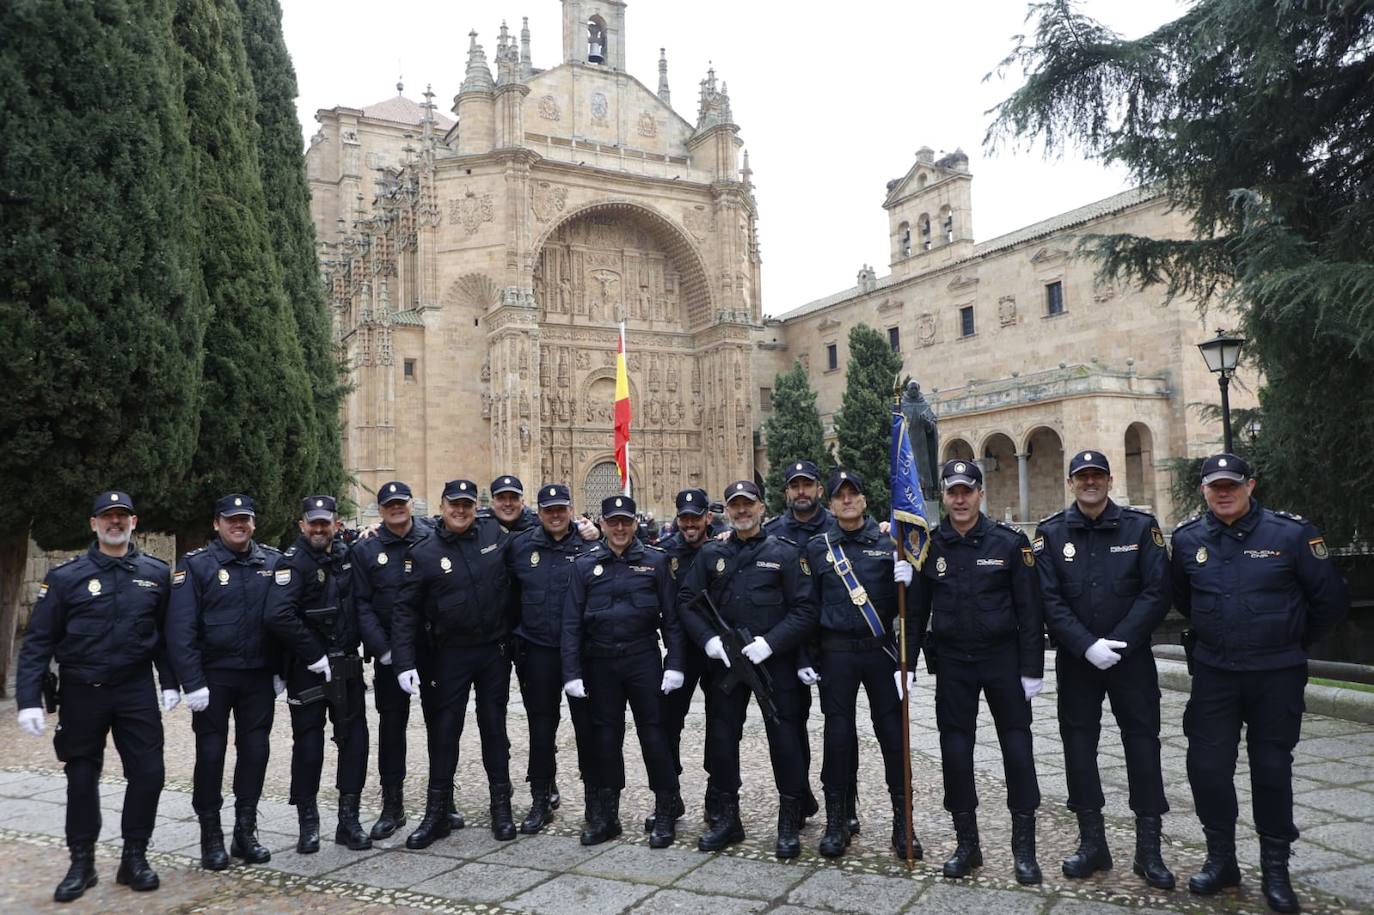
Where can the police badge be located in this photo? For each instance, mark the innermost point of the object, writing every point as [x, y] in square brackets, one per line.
[382, 559]
[534, 559]
[598, 570]
[1158, 536]
[223, 576]
[319, 573]
[445, 564]
[1201, 555]
[93, 586]
[1318, 547]
[720, 566]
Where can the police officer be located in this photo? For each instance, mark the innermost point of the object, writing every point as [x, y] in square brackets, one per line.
[760, 583]
[227, 662]
[719, 523]
[102, 615]
[855, 580]
[979, 590]
[1104, 581]
[508, 505]
[539, 563]
[1260, 589]
[377, 567]
[804, 518]
[694, 522]
[311, 612]
[619, 600]
[455, 600]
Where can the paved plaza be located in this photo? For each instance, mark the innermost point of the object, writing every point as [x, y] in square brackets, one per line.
[1333, 865]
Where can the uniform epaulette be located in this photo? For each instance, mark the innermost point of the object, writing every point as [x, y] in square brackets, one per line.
[1289, 515]
[788, 540]
[196, 552]
[66, 562]
[158, 559]
[1137, 511]
[270, 549]
[1009, 526]
[1187, 521]
[290, 551]
[1051, 516]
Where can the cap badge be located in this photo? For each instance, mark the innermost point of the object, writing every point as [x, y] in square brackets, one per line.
[1201, 556]
[688, 497]
[445, 564]
[534, 558]
[391, 488]
[319, 503]
[941, 565]
[223, 576]
[1087, 455]
[238, 503]
[843, 475]
[505, 479]
[799, 467]
[739, 487]
[1070, 551]
[552, 492]
[114, 497]
[382, 559]
[959, 467]
[1221, 463]
[463, 486]
[93, 586]
[598, 569]
[619, 503]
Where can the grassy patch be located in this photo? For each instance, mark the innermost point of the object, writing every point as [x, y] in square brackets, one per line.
[1342, 684]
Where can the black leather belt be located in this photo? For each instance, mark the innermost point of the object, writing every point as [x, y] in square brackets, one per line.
[618, 649]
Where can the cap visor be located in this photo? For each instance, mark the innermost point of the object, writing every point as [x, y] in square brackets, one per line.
[618, 513]
[397, 497]
[1081, 467]
[743, 495]
[319, 514]
[553, 503]
[957, 480]
[1223, 475]
[460, 497]
[238, 513]
[501, 489]
[693, 510]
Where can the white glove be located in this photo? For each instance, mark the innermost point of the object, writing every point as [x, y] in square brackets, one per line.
[1031, 686]
[199, 700]
[321, 667]
[723, 536]
[170, 699]
[1101, 654]
[278, 685]
[577, 689]
[587, 530]
[409, 681]
[714, 649]
[385, 659]
[808, 676]
[672, 679]
[758, 650]
[910, 682]
[902, 572]
[31, 721]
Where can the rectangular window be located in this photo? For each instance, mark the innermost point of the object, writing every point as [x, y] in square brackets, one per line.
[832, 357]
[894, 339]
[408, 369]
[966, 321]
[1054, 298]
[765, 400]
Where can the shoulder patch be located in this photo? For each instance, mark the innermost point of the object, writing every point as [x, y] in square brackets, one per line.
[1157, 536]
[42, 591]
[1318, 547]
[1028, 556]
[1038, 545]
[283, 576]
[178, 577]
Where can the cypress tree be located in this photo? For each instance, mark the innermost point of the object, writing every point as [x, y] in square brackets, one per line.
[317, 453]
[256, 399]
[100, 353]
[793, 432]
[864, 421]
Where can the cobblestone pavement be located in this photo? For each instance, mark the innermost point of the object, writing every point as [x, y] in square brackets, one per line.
[471, 872]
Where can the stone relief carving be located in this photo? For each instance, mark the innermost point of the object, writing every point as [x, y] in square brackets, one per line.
[925, 329]
[548, 108]
[547, 200]
[699, 221]
[471, 211]
[600, 107]
[1006, 310]
[647, 127]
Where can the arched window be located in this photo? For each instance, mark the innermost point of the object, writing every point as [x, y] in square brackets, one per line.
[596, 40]
[923, 226]
[904, 233]
[602, 480]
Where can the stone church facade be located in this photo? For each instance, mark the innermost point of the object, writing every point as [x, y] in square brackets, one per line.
[478, 269]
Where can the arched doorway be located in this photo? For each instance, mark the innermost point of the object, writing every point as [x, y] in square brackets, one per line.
[1046, 471]
[602, 480]
[1140, 466]
[999, 477]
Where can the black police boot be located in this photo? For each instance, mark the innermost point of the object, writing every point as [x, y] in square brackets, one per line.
[604, 822]
[899, 825]
[836, 837]
[968, 854]
[212, 856]
[710, 805]
[851, 809]
[134, 870]
[1220, 870]
[555, 796]
[393, 813]
[1148, 862]
[1023, 847]
[1278, 891]
[80, 876]
[455, 816]
[789, 826]
[725, 829]
[667, 808]
[676, 808]
[809, 805]
[308, 816]
[349, 831]
[435, 823]
[245, 843]
[1093, 854]
[502, 820]
[541, 808]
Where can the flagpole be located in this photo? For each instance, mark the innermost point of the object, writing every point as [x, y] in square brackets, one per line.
[906, 714]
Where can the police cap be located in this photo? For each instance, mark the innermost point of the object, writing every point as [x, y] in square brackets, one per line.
[960, 473]
[393, 491]
[551, 494]
[1089, 460]
[111, 500]
[800, 469]
[1224, 467]
[617, 507]
[693, 501]
[746, 488]
[460, 489]
[507, 483]
[236, 503]
[842, 477]
[318, 508]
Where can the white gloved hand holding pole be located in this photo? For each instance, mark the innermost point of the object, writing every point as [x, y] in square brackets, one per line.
[902, 572]
[910, 682]
[1102, 653]
[809, 676]
[31, 721]
[278, 685]
[714, 649]
[758, 650]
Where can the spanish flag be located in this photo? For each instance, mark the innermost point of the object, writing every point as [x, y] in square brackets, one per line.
[622, 415]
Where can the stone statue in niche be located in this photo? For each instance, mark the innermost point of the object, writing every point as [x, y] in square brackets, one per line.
[925, 437]
[524, 437]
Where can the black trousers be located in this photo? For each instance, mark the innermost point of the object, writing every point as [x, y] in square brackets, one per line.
[842, 673]
[130, 711]
[307, 738]
[539, 669]
[957, 685]
[393, 716]
[725, 714]
[1270, 705]
[611, 683]
[1132, 686]
[249, 695]
[678, 703]
[455, 672]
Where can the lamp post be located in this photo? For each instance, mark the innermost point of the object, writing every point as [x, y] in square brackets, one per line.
[1222, 354]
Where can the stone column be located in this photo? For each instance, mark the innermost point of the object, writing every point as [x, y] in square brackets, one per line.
[982, 466]
[1023, 485]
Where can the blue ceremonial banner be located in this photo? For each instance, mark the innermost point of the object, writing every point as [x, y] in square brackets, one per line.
[908, 504]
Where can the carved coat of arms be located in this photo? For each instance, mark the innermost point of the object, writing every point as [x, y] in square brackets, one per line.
[547, 200]
[472, 211]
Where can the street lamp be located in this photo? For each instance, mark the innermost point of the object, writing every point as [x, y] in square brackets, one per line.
[1222, 353]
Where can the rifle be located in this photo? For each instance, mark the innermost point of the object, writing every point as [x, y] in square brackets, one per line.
[343, 666]
[741, 669]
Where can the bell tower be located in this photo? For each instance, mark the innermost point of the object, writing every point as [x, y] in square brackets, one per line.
[594, 33]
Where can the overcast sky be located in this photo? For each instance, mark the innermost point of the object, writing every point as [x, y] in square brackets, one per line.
[832, 100]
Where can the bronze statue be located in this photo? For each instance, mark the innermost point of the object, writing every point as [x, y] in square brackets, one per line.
[925, 438]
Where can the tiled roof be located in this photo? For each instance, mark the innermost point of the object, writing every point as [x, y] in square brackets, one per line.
[402, 110]
[818, 304]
